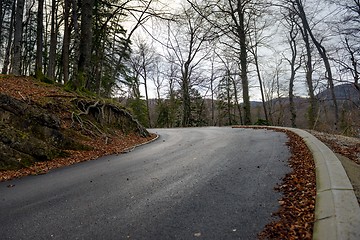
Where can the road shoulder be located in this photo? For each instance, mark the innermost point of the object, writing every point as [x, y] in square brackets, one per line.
[353, 171]
[337, 212]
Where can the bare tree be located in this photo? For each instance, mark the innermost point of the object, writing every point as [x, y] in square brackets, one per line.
[167, 109]
[322, 52]
[291, 9]
[256, 39]
[158, 76]
[230, 66]
[354, 61]
[143, 63]
[291, 21]
[349, 29]
[274, 92]
[141, 15]
[233, 20]
[239, 20]
[186, 41]
[214, 75]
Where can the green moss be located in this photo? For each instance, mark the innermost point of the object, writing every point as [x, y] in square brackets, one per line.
[39, 75]
[26, 162]
[77, 138]
[7, 76]
[23, 135]
[80, 91]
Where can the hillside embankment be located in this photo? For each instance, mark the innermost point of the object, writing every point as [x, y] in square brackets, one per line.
[43, 127]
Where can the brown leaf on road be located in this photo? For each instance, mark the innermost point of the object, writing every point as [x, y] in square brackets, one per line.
[297, 206]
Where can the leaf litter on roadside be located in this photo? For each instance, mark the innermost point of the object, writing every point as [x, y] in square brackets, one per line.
[295, 218]
[297, 206]
[119, 144]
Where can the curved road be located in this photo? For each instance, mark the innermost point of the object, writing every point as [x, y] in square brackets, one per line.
[195, 183]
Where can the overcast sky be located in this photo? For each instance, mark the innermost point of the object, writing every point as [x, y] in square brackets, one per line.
[270, 57]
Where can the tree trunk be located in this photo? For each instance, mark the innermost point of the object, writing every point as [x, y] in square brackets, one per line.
[237, 102]
[146, 94]
[75, 23]
[9, 41]
[228, 96]
[53, 42]
[83, 76]
[186, 96]
[291, 98]
[39, 40]
[172, 103]
[2, 12]
[261, 86]
[243, 65]
[28, 47]
[66, 43]
[97, 69]
[212, 95]
[309, 80]
[280, 118]
[16, 60]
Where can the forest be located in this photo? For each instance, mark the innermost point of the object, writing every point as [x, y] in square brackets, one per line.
[196, 62]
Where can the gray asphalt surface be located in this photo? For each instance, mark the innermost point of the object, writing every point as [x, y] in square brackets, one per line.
[196, 183]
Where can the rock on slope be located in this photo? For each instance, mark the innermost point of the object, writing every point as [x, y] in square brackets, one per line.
[40, 122]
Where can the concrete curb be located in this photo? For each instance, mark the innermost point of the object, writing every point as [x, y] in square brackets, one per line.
[130, 149]
[337, 212]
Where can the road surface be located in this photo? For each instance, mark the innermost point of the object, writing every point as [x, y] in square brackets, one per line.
[195, 183]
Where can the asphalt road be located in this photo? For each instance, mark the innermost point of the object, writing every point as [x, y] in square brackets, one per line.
[196, 183]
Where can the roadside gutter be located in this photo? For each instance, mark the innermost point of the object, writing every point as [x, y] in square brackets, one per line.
[337, 212]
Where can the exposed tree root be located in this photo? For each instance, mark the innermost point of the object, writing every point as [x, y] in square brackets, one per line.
[104, 114]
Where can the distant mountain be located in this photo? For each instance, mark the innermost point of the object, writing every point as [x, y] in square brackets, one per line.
[346, 91]
[255, 104]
